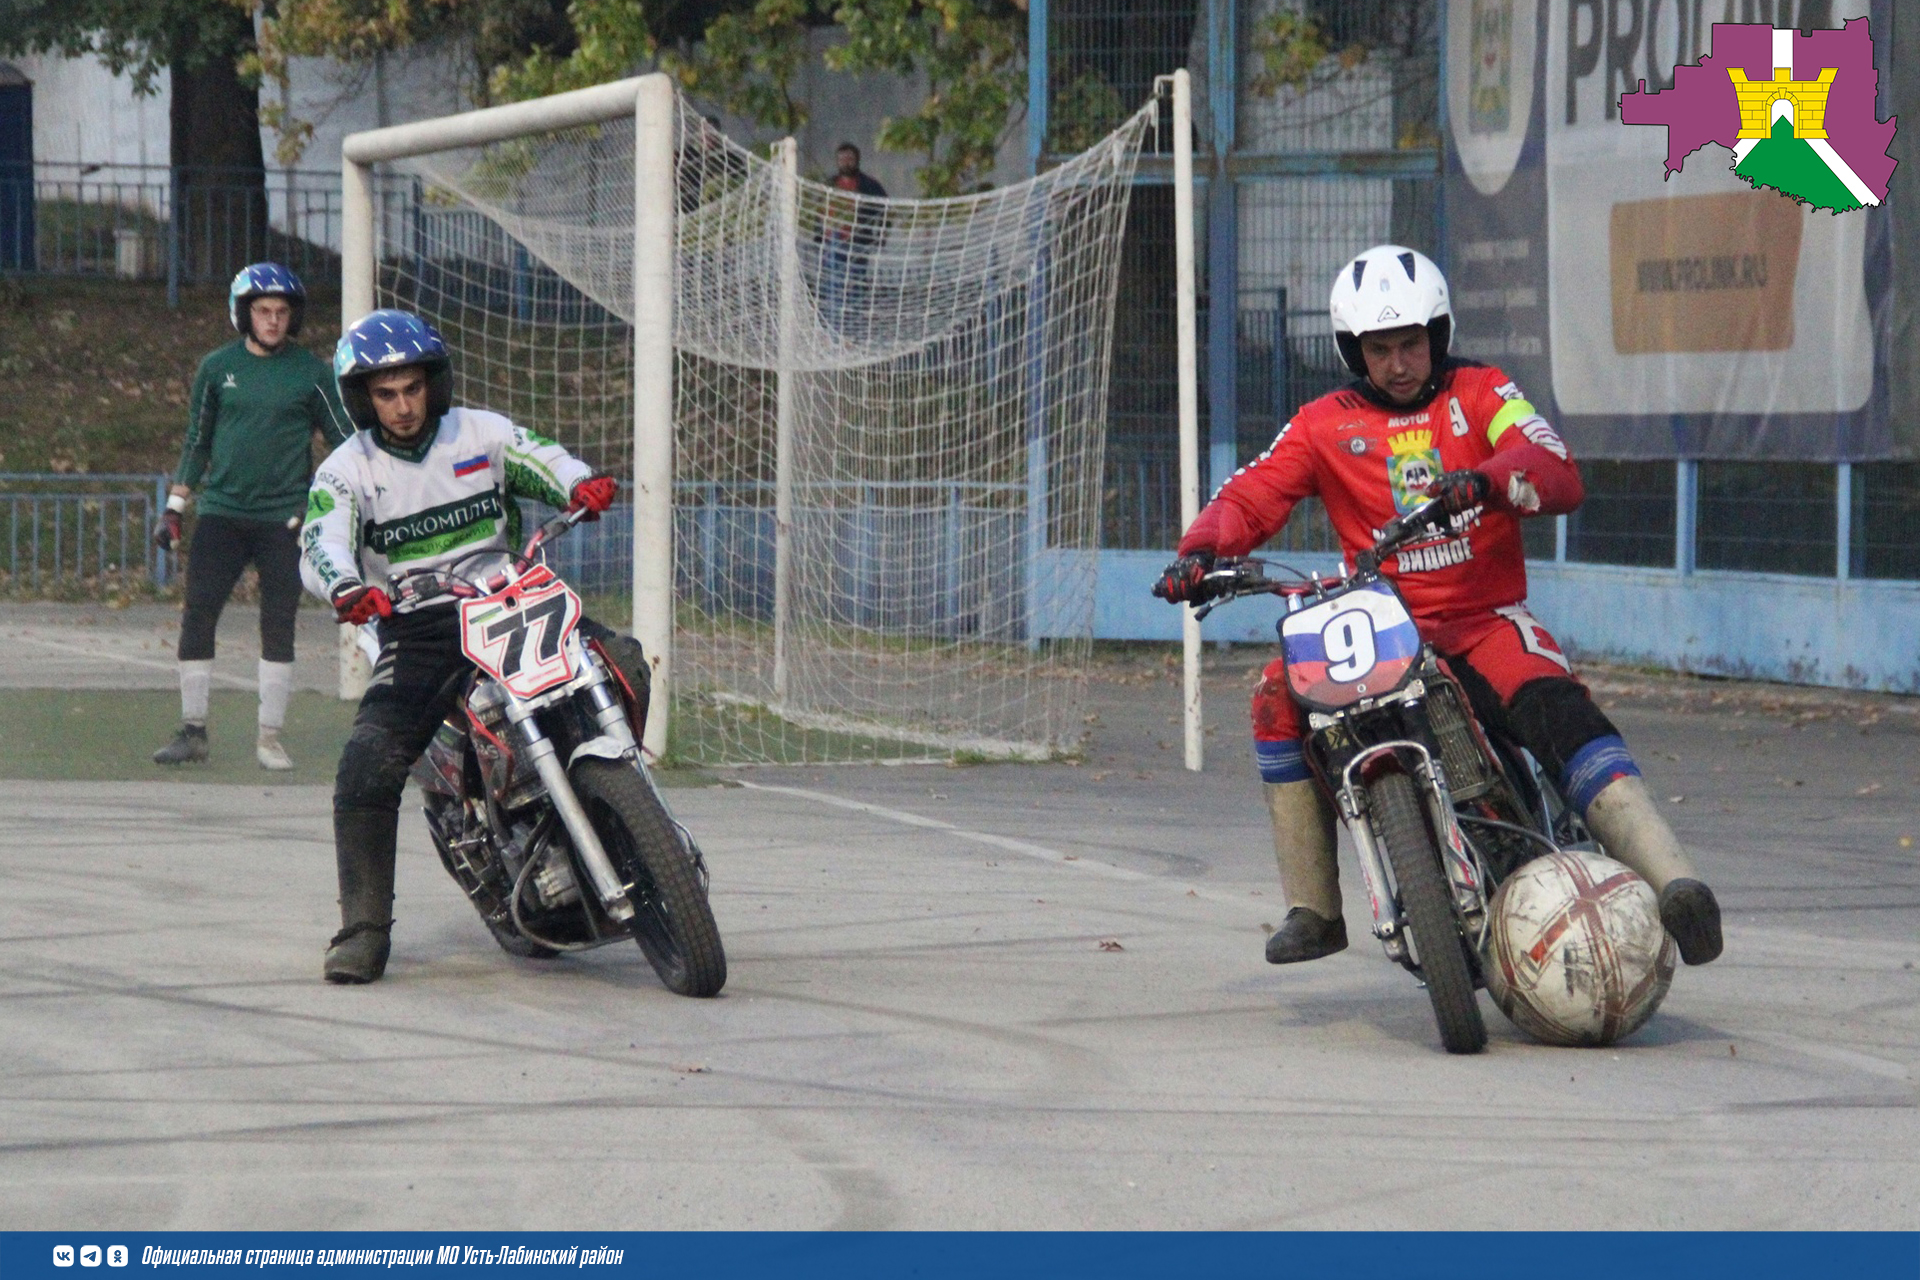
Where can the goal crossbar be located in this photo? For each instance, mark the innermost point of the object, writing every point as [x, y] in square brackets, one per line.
[649, 101]
[874, 424]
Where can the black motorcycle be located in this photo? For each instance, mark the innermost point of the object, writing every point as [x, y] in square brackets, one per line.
[537, 798]
[1441, 811]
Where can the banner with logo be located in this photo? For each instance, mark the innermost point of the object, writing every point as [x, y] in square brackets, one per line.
[1658, 315]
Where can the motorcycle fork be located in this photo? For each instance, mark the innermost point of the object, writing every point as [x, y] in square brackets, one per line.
[607, 884]
[1466, 875]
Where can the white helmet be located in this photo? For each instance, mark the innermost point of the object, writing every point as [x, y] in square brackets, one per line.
[1389, 287]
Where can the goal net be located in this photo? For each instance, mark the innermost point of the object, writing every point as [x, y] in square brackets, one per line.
[887, 420]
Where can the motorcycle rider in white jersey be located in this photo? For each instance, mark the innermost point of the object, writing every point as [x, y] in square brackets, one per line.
[420, 485]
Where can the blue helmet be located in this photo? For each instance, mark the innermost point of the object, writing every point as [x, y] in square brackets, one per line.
[265, 280]
[382, 340]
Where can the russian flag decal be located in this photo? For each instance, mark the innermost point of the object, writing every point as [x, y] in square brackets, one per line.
[476, 463]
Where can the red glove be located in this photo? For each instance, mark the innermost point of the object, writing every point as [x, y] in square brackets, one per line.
[167, 533]
[1181, 579]
[594, 495]
[355, 603]
[1459, 491]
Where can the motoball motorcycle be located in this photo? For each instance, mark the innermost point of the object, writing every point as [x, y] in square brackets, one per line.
[537, 798]
[1440, 810]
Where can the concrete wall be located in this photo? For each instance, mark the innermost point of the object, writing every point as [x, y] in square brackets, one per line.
[82, 113]
[1857, 635]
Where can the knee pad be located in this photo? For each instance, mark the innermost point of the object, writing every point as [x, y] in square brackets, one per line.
[1554, 717]
[373, 770]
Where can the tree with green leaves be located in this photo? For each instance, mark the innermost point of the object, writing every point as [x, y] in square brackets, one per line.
[739, 56]
[214, 114]
[198, 43]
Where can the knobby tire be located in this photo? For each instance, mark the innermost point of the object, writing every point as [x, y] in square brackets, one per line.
[672, 921]
[1426, 901]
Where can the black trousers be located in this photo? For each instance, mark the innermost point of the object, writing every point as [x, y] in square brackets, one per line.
[416, 685]
[222, 548]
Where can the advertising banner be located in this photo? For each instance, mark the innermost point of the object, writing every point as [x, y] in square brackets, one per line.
[1662, 313]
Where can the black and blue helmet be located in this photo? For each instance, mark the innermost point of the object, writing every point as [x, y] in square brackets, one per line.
[382, 340]
[265, 280]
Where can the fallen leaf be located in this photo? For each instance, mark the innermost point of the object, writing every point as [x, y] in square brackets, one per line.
[1111, 944]
[1069, 857]
[691, 1068]
[1732, 1052]
[1193, 893]
[1265, 927]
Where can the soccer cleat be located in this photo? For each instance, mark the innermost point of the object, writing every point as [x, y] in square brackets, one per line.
[271, 755]
[189, 746]
[1691, 914]
[1306, 935]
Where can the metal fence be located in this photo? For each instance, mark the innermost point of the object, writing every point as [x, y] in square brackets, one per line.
[181, 225]
[81, 535]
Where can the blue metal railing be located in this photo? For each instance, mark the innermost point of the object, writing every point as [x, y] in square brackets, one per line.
[84, 533]
[182, 225]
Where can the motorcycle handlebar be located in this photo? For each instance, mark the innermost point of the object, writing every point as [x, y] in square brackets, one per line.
[1231, 578]
[425, 584]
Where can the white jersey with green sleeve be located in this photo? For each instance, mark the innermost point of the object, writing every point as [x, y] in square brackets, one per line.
[375, 509]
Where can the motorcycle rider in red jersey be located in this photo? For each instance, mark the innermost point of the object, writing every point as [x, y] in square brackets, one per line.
[1414, 425]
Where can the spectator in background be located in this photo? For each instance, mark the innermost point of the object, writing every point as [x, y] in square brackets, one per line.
[251, 416]
[854, 230]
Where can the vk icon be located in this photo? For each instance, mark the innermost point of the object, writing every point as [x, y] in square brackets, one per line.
[89, 1255]
[63, 1255]
[116, 1255]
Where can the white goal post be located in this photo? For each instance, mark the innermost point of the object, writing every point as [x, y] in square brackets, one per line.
[649, 100]
[865, 435]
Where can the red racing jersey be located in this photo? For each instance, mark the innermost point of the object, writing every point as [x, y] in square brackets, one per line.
[1369, 464]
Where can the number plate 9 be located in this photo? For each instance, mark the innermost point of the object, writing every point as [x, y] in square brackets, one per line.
[1359, 644]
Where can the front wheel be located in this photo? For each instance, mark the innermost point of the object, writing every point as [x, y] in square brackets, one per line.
[1427, 904]
[671, 919]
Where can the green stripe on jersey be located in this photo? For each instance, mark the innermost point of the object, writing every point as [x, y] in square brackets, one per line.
[1510, 412]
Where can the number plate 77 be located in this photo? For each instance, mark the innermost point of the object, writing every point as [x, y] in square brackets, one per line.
[518, 635]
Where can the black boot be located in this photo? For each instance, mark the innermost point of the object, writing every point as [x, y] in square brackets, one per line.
[1691, 914]
[189, 746]
[363, 847]
[1306, 935]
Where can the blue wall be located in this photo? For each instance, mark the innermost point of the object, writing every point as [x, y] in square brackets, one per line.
[1858, 634]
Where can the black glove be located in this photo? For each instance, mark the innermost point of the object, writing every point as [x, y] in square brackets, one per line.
[166, 531]
[1460, 491]
[1181, 579]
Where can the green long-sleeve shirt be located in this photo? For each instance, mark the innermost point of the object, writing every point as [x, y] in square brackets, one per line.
[250, 425]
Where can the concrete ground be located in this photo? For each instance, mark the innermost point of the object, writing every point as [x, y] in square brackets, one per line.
[1000, 996]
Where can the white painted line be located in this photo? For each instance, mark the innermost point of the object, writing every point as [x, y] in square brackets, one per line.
[1025, 848]
[67, 648]
[1843, 171]
[1885, 1068]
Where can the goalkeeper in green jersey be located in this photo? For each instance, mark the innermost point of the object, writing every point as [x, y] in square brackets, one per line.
[255, 405]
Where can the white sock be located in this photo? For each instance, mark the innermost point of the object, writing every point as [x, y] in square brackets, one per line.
[276, 683]
[195, 679]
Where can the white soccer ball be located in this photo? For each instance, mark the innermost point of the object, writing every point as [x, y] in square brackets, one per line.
[1576, 954]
